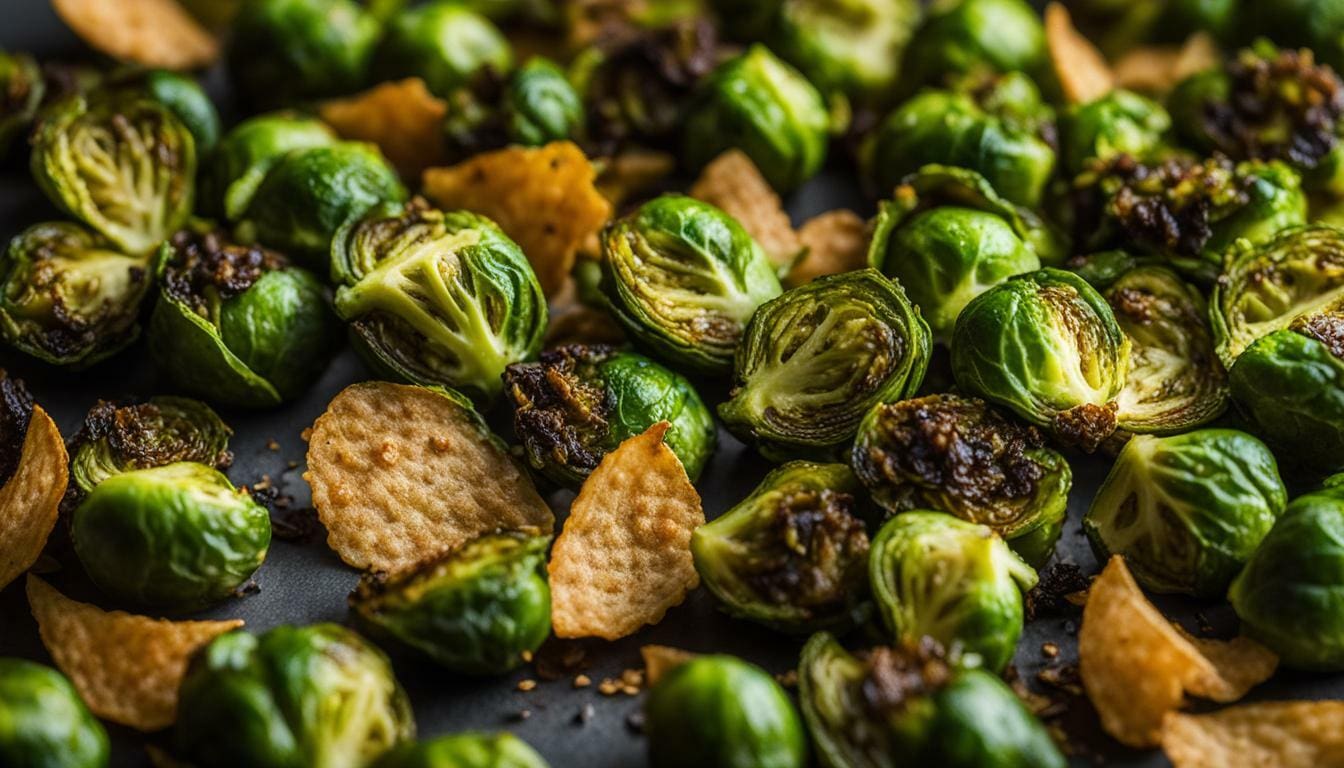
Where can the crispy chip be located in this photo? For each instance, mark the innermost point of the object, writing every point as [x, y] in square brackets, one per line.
[836, 241]
[31, 500]
[403, 118]
[127, 668]
[1080, 68]
[732, 183]
[1239, 665]
[1279, 734]
[544, 198]
[402, 473]
[661, 659]
[155, 33]
[1158, 68]
[624, 555]
[633, 171]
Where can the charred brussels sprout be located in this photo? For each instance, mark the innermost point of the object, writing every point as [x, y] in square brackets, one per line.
[1119, 123]
[21, 91]
[444, 43]
[541, 106]
[183, 96]
[159, 431]
[317, 696]
[465, 750]
[721, 712]
[683, 278]
[852, 47]
[436, 297]
[1186, 511]
[43, 722]
[245, 155]
[283, 51]
[965, 36]
[815, 359]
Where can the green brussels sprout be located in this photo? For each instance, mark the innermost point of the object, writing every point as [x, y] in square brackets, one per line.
[580, 402]
[43, 722]
[1119, 123]
[1103, 268]
[465, 750]
[246, 154]
[318, 696]
[479, 610]
[541, 105]
[69, 297]
[159, 431]
[815, 359]
[1046, 346]
[721, 712]
[21, 91]
[283, 51]
[892, 707]
[238, 324]
[436, 297]
[176, 537]
[444, 43]
[957, 455]
[183, 96]
[791, 555]
[683, 278]
[124, 167]
[1313, 24]
[964, 36]
[764, 107]
[1186, 511]
[851, 47]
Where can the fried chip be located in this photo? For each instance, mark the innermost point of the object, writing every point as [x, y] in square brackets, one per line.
[624, 555]
[836, 241]
[127, 668]
[544, 198]
[402, 117]
[403, 473]
[661, 659]
[30, 501]
[1278, 734]
[1082, 71]
[732, 183]
[155, 33]
[1157, 69]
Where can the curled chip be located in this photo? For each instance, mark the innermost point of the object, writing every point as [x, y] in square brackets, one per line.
[155, 33]
[624, 555]
[661, 659]
[835, 242]
[30, 498]
[543, 198]
[127, 668]
[1082, 72]
[1282, 734]
[402, 117]
[733, 184]
[401, 474]
[1158, 68]
[1137, 667]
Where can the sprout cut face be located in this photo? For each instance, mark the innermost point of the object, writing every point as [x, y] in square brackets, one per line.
[43, 723]
[851, 47]
[162, 430]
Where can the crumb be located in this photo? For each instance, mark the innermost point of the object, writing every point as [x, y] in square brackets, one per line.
[521, 715]
[585, 714]
[527, 657]
[787, 679]
[272, 445]
[609, 687]
[582, 681]
[1049, 650]
[526, 685]
[306, 434]
[635, 721]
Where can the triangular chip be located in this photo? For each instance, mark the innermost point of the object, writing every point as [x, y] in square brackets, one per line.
[836, 242]
[155, 33]
[30, 500]
[1082, 71]
[733, 184]
[1278, 734]
[1157, 69]
[402, 117]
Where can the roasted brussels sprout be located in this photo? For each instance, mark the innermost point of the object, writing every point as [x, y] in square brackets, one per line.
[245, 155]
[436, 297]
[43, 722]
[852, 47]
[465, 750]
[175, 537]
[16, 411]
[444, 43]
[683, 278]
[159, 431]
[283, 51]
[721, 712]
[1186, 511]
[958, 455]
[181, 94]
[1314, 24]
[966, 36]
[815, 359]
[1119, 123]
[890, 707]
[21, 91]
[238, 324]
[317, 696]
[540, 105]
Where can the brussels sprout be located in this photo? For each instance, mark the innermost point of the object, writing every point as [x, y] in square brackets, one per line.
[176, 537]
[1314, 24]
[238, 324]
[1119, 123]
[317, 696]
[245, 155]
[540, 105]
[124, 167]
[182, 95]
[444, 43]
[1047, 346]
[683, 278]
[721, 712]
[16, 411]
[283, 51]
[159, 431]
[975, 35]
[43, 723]
[465, 750]
[580, 402]
[815, 359]
[436, 297]
[1186, 511]
[892, 707]
[852, 47]
[21, 91]
[67, 296]
[958, 455]
[764, 107]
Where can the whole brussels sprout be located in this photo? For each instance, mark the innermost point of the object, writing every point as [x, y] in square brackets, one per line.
[318, 696]
[1119, 123]
[764, 107]
[1186, 511]
[892, 707]
[815, 359]
[791, 555]
[43, 722]
[283, 51]
[541, 105]
[960, 36]
[1314, 24]
[580, 402]
[721, 712]
[176, 537]
[1047, 346]
[21, 91]
[851, 47]
[958, 455]
[246, 154]
[444, 43]
[159, 431]
[436, 297]
[181, 94]
[465, 750]
[683, 278]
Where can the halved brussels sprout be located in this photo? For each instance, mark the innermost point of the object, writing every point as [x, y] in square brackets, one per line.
[957, 455]
[966, 36]
[159, 431]
[465, 750]
[318, 696]
[436, 297]
[540, 105]
[245, 155]
[181, 94]
[176, 537]
[1186, 511]
[683, 278]
[444, 43]
[21, 91]
[815, 359]
[43, 722]
[851, 47]
[284, 51]
[1119, 123]
[1047, 346]
[721, 712]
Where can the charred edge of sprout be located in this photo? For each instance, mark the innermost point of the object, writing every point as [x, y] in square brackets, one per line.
[16, 410]
[814, 545]
[206, 268]
[1325, 327]
[1086, 426]
[558, 413]
[893, 677]
[135, 434]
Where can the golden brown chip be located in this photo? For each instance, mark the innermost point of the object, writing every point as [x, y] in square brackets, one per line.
[732, 183]
[624, 555]
[661, 659]
[544, 198]
[836, 241]
[31, 500]
[402, 117]
[127, 668]
[156, 33]
[1278, 734]
[1239, 665]
[1158, 68]
[633, 171]
[402, 473]
[1080, 68]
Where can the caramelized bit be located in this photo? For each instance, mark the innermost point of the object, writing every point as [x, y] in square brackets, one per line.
[1171, 206]
[560, 413]
[896, 676]
[812, 551]
[207, 269]
[1086, 426]
[1325, 327]
[16, 408]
